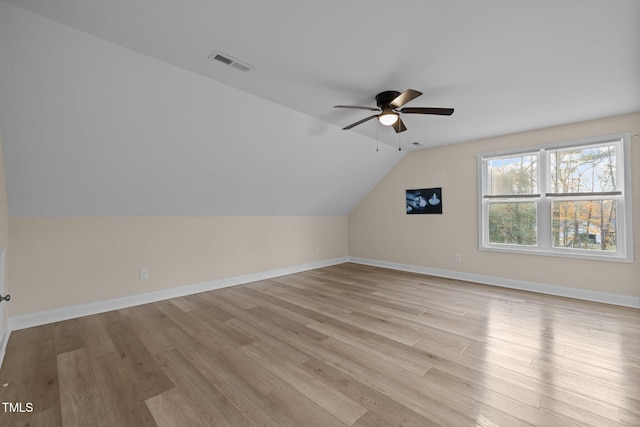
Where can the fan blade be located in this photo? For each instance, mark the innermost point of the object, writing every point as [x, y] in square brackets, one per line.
[359, 122]
[357, 107]
[399, 126]
[428, 110]
[405, 97]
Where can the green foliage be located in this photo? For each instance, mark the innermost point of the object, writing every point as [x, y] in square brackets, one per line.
[584, 224]
[513, 223]
[581, 218]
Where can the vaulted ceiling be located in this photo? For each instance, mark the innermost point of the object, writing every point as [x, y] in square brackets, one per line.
[114, 108]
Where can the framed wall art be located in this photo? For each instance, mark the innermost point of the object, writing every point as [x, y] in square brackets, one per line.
[424, 201]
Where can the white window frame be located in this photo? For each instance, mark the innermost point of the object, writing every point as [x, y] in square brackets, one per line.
[544, 198]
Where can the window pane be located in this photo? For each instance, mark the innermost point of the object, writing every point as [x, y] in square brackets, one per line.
[513, 223]
[513, 175]
[583, 169]
[585, 224]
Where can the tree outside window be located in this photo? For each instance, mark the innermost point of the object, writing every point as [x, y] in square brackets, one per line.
[569, 199]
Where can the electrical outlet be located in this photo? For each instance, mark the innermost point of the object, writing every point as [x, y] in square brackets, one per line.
[458, 258]
[317, 249]
[144, 273]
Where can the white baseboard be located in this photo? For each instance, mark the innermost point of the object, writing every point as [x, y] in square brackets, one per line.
[66, 313]
[563, 291]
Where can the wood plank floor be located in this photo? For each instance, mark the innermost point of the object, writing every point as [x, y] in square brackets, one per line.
[348, 345]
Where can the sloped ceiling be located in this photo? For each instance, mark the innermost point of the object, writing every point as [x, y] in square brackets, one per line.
[92, 128]
[120, 112]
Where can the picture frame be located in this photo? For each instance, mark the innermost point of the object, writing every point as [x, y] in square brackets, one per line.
[424, 201]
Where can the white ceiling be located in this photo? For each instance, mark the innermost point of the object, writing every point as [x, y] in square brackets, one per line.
[505, 66]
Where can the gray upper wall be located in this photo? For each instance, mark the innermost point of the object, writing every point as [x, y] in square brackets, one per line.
[92, 128]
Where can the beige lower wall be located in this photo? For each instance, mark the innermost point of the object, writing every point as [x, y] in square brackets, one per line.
[380, 229]
[61, 262]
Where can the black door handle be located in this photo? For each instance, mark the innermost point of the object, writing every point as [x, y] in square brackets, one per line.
[5, 298]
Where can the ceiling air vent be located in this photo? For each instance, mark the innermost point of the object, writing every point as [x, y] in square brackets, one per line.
[230, 60]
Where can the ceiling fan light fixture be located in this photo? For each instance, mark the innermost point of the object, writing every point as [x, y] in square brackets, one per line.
[390, 105]
[388, 118]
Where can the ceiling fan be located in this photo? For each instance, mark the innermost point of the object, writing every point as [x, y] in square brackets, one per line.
[389, 103]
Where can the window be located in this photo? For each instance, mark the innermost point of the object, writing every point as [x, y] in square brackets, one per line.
[571, 199]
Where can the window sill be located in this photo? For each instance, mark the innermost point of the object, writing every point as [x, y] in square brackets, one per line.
[558, 253]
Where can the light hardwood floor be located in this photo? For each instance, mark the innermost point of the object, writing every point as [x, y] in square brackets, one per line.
[344, 345]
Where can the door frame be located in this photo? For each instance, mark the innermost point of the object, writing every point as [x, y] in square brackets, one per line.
[4, 321]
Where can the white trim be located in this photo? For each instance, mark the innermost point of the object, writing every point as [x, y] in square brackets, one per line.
[66, 313]
[4, 330]
[563, 291]
[624, 252]
[3, 347]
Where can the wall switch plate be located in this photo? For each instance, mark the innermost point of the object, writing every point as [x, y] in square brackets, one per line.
[144, 273]
[458, 258]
